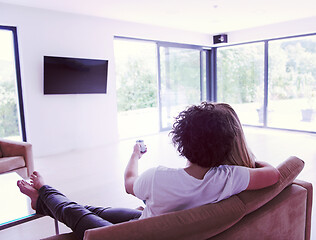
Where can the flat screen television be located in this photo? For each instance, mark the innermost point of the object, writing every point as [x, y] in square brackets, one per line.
[64, 75]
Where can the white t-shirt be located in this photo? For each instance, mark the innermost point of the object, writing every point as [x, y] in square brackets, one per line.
[168, 189]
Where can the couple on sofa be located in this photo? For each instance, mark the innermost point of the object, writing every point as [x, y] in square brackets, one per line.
[219, 165]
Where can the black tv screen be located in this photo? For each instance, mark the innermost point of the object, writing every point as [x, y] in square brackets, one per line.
[64, 75]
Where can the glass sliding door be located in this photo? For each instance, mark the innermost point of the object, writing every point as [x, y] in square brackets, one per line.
[240, 80]
[181, 81]
[136, 85]
[11, 106]
[292, 83]
[154, 82]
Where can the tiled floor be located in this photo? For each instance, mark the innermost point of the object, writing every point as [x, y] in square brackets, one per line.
[95, 176]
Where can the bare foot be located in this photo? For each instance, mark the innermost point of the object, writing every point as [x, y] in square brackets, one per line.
[29, 191]
[37, 180]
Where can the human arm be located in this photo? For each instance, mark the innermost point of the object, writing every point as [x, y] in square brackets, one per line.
[262, 176]
[131, 171]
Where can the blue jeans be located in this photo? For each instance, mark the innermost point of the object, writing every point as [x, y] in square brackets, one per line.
[77, 217]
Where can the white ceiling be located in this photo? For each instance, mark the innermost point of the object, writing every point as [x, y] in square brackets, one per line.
[206, 16]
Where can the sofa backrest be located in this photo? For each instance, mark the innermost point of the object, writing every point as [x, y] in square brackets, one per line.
[201, 222]
[284, 217]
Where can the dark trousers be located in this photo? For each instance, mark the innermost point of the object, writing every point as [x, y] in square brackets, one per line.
[77, 217]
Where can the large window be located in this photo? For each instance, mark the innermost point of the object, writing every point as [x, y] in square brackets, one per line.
[292, 83]
[240, 80]
[11, 107]
[270, 83]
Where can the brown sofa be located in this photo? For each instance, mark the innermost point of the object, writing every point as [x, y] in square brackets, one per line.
[16, 157]
[282, 211]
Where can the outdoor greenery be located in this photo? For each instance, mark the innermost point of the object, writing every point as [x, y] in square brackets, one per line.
[9, 125]
[240, 73]
[138, 86]
[292, 69]
[180, 76]
[137, 81]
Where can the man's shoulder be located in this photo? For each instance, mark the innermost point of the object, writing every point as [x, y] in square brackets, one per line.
[167, 170]
[227, 170]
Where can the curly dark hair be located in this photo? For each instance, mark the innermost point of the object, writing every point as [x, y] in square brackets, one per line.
[205, 133]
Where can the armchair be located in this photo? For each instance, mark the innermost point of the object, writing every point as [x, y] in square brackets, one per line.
[16, 157]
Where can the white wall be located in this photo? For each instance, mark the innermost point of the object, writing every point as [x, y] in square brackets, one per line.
[59, 123]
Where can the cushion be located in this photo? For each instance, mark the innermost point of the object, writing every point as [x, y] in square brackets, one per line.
[11, 163]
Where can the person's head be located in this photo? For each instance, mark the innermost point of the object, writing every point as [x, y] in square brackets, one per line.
[209, 134]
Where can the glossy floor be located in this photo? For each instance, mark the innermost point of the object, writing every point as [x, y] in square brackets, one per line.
[95, 176]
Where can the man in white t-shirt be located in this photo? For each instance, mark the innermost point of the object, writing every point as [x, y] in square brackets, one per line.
[204, 135]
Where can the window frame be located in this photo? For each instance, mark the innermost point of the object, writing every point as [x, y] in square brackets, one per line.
[18, 79]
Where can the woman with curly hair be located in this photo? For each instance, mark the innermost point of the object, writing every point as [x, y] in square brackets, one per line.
[219, 164]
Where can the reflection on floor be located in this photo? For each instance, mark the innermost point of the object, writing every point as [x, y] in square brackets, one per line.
[95, 176]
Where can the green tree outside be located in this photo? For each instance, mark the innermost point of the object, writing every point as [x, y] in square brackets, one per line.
[240, 73]
[138, 86]
[9, 125]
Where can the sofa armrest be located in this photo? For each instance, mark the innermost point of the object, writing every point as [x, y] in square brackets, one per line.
[309, 187]
[11, 148]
